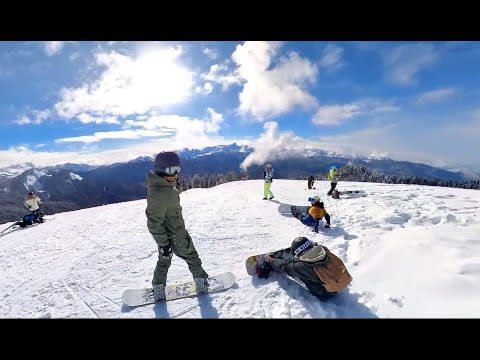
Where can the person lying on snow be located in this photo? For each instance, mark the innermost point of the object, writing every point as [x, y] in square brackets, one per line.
[322, 272]
[316, 212]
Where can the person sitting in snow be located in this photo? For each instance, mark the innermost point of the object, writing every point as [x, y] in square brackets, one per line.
[316, 212]
[322, 272]
[28, 220]
[33, 203]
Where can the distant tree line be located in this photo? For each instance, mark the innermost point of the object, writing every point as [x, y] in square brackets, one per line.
[211, 180]
[12, 208]
[361, 173]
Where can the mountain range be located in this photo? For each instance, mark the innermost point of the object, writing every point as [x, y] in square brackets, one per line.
[75, 186]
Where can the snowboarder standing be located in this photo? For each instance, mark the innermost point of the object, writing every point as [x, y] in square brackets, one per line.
[323, 273]
[333, 178]
[268, 179]
[165, 223]
[311, 180]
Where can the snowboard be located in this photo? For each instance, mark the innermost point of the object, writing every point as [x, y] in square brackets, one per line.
[286, 209]
[217, 283]
[255, 263]
[14, 226]
[349, 194]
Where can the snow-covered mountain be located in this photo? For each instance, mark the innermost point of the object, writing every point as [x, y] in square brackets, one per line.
[125, 181]
[15, 170]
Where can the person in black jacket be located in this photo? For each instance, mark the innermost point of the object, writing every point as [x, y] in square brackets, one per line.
[311, 180]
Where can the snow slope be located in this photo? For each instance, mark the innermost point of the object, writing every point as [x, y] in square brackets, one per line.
[413, 251]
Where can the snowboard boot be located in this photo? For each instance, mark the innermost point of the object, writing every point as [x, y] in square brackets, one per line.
[159, 292]
[201, 284]
[294, 211]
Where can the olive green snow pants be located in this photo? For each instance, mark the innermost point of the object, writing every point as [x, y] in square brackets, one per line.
[185, 250]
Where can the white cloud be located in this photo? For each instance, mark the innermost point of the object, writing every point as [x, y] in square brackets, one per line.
[268, 90]
[272, 145]
[337, 114]
[376, 141]
[207, 89]
[129, 85]
[332, 57]
[218, 73]
[87, 118]
[435, 96]
[424, 144]
[211, 53]
[172, 126]
[271, 91]
[464, 129]
[180, 124]
[38, 116]
[123, 134]
[53, 47]
[404, 62]
[23, 120]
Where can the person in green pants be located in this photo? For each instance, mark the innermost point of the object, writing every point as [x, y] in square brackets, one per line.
[268, 179]
[165, 223]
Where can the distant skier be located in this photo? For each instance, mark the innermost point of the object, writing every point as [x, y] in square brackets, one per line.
[333, 178]
[165, 223]
[268, 179]
[33, 203]
[316, 212]
[322, 272]
[311, 180]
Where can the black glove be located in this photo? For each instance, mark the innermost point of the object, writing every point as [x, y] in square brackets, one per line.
[264, 271]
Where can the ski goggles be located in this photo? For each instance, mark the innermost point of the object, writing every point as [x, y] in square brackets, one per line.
[170, 170]
[312, 199]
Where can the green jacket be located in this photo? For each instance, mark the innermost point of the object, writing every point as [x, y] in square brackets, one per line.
[164, 213]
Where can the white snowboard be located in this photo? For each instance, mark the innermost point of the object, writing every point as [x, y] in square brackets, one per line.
[217, 283]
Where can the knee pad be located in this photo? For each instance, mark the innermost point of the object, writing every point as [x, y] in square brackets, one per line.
[166, 251]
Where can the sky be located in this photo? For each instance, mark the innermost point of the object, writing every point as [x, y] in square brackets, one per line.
[413, 252]
[105, 102]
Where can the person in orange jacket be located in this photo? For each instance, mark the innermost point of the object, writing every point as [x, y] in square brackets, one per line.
[316, 212]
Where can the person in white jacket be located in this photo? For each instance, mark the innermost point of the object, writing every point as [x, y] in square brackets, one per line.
[33, 203]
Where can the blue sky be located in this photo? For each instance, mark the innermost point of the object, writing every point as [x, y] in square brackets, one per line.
[106, 102]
